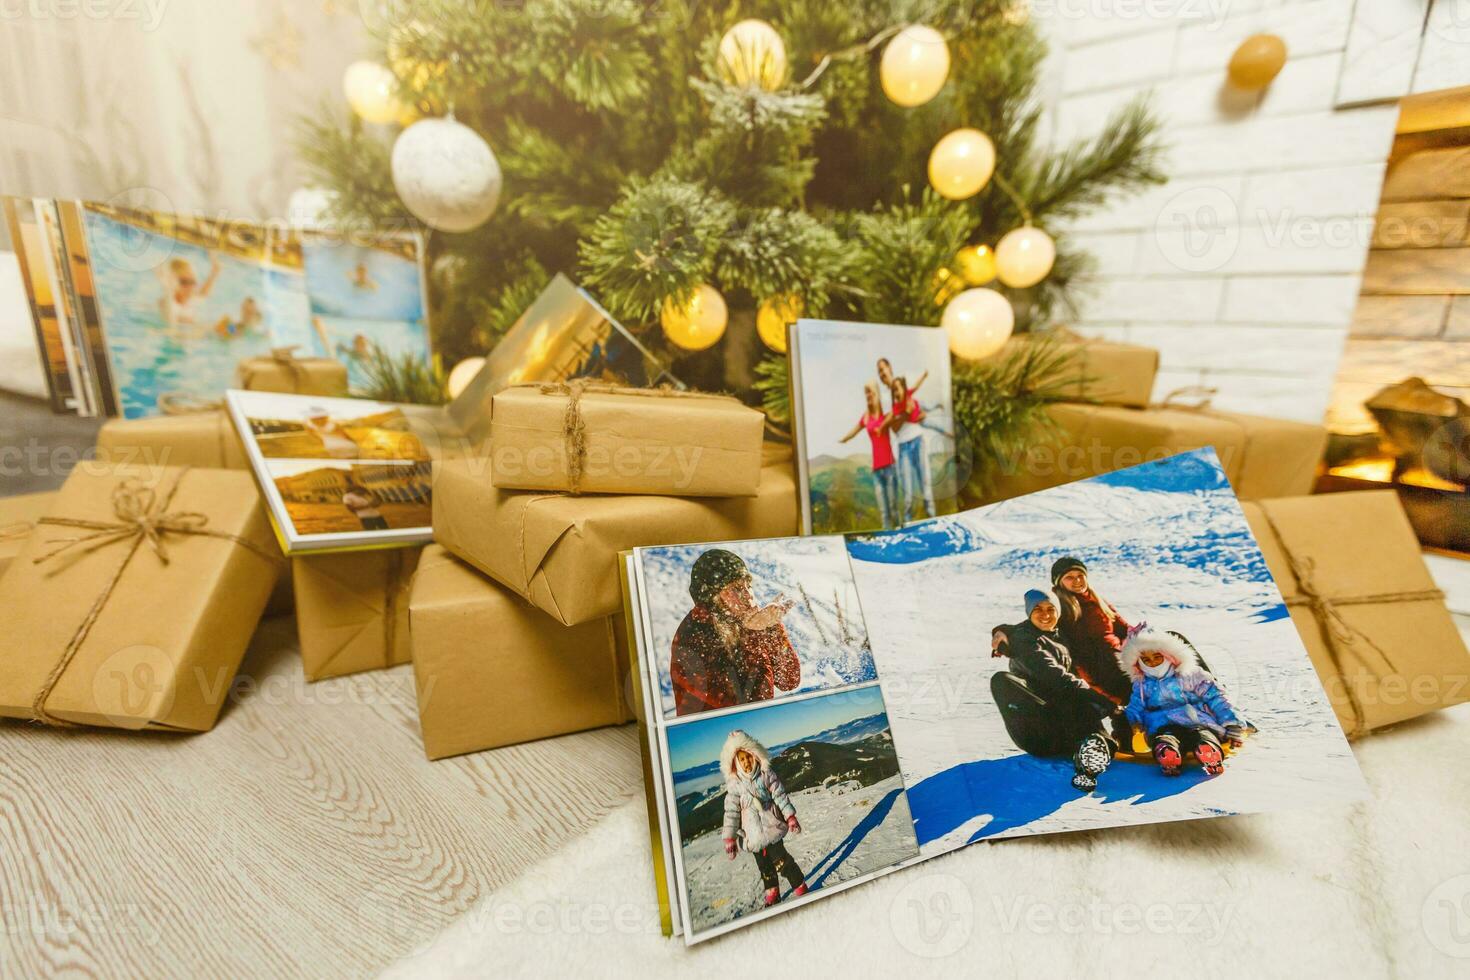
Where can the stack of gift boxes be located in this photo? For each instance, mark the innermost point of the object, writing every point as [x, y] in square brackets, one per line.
[134, 591]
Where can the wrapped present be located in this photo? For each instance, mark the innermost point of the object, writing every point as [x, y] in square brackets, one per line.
[583, 437]
[206, 439]
[560, 552]
[282, 371]
[1106, 372]
[1263, 457]
[132, 602]
[18, 516]
[492, 670]
[1373, 621]
[352, 610]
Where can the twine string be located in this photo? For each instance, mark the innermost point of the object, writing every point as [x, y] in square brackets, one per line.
[1343, 639]
[574, 425]
[143, 518]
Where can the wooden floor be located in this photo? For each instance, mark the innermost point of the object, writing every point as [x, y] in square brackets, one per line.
[305, 835]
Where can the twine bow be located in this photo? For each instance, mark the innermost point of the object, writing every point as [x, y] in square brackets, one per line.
[574, 426]
[143, 517]
[1343, 639]
[285, 357]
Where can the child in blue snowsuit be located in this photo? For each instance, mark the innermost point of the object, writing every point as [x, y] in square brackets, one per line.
[1176, 702]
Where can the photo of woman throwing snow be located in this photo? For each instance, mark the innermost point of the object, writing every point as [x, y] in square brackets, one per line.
[759, 815]
[727, 651]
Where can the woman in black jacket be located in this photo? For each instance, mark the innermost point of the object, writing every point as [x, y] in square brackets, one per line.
[1048, 708]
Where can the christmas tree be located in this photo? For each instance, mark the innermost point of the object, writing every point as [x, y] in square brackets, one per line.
[712, 171]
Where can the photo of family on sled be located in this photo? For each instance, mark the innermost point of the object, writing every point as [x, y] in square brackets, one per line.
[785, 800]
[1084, 683]
[753, 621]
[1114, 651]
[900, 401]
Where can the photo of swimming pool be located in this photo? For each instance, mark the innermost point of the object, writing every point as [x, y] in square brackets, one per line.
[178, 316]
[196, 353]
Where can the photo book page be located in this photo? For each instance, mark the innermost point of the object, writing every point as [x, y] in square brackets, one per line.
[821, 710]
[339, 473]
[136, 311]
[875, 444]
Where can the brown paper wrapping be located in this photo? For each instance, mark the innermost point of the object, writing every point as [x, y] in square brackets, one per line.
[1107, 373]
[492, 670]
[631, 441]
[352, 610]
[18, 516]
[206, 439]
[165, 637]
[1368, 610]
[560, 552]
[1263, 457]
[282, 371]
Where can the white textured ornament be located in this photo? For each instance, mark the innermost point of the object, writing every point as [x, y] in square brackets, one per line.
[446, 174]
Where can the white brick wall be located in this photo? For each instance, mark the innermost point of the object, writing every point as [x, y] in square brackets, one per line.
[1244, 269]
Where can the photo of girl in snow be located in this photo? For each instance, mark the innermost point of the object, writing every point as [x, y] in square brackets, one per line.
[1159, 677]
[753, 621]
[907, 470]
[785, 800]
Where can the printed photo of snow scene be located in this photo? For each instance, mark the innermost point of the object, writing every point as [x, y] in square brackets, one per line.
[875, 426]
[734, 624]
[785, 800]
[1109, 652]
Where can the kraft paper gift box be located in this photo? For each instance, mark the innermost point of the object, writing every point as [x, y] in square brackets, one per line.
[1372, 619]
[491, 669]
[1106, 372]
[282, 371]
[352, 610]
[602, 439]
[1263, 457]
[560, 552]
[18, 516]
[132, 602]
[194, 439]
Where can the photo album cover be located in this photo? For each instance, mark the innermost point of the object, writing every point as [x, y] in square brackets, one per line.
[876, 449]
[563, 335]
[338, 473]
[818, 711]
[135, 309]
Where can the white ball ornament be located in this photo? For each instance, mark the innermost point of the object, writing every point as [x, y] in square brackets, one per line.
[370, 89]
[446, 174]
[697, 323]
[961, 163]
[979, 322]
[462, 374]
[915, 65]
[1024, 257]
[752, 53]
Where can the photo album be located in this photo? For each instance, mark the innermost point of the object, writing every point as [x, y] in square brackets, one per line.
[876, 449]
[135, 309]
[817, 711]
[339, 473]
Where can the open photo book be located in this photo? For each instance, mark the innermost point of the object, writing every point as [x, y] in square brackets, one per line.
[818, 711]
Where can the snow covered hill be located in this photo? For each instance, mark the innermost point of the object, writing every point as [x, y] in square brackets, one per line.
[1164, 542]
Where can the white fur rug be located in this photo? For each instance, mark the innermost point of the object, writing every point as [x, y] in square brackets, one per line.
[1378, 889]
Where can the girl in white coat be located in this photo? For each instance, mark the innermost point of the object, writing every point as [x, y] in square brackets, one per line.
[759, 814]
